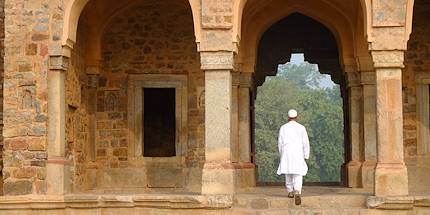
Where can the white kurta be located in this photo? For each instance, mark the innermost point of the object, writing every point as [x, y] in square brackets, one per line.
[293, 145]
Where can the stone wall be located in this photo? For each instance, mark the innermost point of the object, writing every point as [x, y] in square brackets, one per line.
[417, 60]
[1, 88]
[27, 35]
[153, 37]
[77, 113]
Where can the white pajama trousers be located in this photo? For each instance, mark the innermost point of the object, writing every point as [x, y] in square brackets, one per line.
[294, 182]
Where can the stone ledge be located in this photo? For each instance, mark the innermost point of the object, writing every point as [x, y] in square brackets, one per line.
[161, 201]
[398, 203]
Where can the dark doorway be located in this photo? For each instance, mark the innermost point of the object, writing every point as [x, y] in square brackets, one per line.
[159, 120]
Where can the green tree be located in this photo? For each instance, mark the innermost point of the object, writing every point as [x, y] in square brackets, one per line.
[320, 111]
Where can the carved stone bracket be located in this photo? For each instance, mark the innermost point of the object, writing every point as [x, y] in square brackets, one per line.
[388, 59]
[217, 61]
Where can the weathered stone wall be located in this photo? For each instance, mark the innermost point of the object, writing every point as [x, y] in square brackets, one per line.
[27, 35]
[77, 112]
[417, 60]
[1, 88]
[153, 37]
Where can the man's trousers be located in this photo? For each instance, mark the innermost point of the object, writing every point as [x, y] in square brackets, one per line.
[293, 182]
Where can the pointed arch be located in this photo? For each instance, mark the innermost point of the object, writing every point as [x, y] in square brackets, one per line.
[74, 9]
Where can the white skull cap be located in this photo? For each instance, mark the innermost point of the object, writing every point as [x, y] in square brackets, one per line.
[292, 113]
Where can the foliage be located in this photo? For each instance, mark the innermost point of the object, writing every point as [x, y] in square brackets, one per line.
[320, 111]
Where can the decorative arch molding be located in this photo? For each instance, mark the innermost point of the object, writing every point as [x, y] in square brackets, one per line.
[366, 9]
[72, 13]
[409, 18]
[239, 7]
[74, 9]
[336, 23]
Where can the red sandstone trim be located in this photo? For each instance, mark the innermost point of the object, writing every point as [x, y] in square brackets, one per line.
[58, 160]
[390, 165]
[229, 166]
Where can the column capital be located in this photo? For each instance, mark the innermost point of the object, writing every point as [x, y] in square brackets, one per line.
[422, 78]
[93, 67]
[368, 77]
[215, 61]
[246, 80]
[58, 63]
[352, 79]
[59, 56]
[92, 80]
[388, 59]
[235, 79]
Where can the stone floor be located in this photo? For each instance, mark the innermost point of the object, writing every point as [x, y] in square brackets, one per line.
[308, 191]
[328, 200]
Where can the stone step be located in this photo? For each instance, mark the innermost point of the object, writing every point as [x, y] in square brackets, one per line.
[262, 202]
[303, 211]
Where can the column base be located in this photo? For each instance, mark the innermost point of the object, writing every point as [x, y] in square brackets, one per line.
[368, 174]
[56, 175]
[218, 178]
[353, 169]
[245, 175]
[391, 179]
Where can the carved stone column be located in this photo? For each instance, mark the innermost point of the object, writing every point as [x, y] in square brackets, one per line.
[391, 177]
[245, 170]
[369, 128]
[235, 154]
[355, 125]
[91, 93]
[245, 117]
[218, 171]
[57, 170]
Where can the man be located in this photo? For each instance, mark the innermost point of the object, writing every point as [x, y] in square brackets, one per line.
[293, 145]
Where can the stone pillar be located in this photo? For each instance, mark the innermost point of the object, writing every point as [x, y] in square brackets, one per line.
[90, 147]
[57, 170]
[423, 112]
[246, 169]
[245, 118]
[391, 178]
[218, 171]
[355, 125]
[235, 154]
[93, 68]
[369, 128]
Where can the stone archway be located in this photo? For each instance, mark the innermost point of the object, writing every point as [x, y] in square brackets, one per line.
[298, 33]
[87, 40]
[350, 63]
